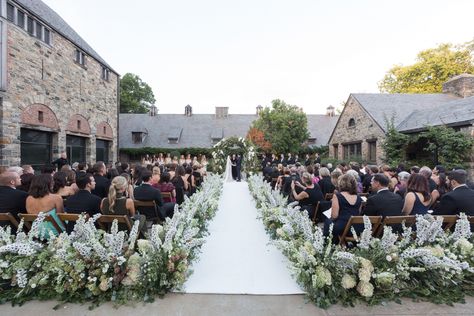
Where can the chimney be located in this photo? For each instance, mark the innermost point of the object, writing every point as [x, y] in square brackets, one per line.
[222, 111]
[188, 110]
[461, 86]
[331, 111]
[153, 110]
[259, 109]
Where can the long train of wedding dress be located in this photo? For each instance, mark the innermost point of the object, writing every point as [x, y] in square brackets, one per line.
[228, 171]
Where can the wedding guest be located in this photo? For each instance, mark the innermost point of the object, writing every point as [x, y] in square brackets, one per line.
[418, 197]
[129, 191]
[441, 187]
[180, 182]
[335, 175]
[166, 186]
[414, 169]
[116, 203]
[307, 160]
[383, 202]
[317, 159]
[145, 192]
[182, 160]
[204, 163]
[156, 174]
[102, 184]
[356, 176]
[460, 199]
[168, 159]
[11, 200]
[426, 172]
[112, 173]
[401, 188]
[345, 203]
[310, 195]
[198, 178]
[325, 183]
[61, 187]
[284, 182]
[61, 161]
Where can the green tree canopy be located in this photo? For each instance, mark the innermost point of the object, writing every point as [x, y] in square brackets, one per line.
[433, 67]
[285, 126]
[136, 96]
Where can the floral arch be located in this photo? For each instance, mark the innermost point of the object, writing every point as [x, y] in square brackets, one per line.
[235, 145]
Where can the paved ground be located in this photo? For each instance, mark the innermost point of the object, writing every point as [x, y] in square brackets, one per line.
[229, 305]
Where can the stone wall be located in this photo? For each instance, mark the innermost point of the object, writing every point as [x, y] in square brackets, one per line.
[364, 130]
[462, 86]
[43, 76]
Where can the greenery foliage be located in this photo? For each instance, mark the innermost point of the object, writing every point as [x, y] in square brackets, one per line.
[235, 145]
[136, 96]
[395, 144]
[285, 126]
[431, 265]
[91, 265]
[433, 67]
[139, 152]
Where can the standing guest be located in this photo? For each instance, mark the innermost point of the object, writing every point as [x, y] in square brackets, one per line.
[182, 160]
[460, 199]
[102, 184]
[345, 203]
[418, 197]
[383, 202]
[116, 203]
[317, 159]
[168, 159]
[282, 160]
[310, 196]
[166, 186]
[41, 199]
[307, 160]
[291, 160]
[83, 200]
[198, 178]
[61, 161]
[188, 160]
[145, 192]
[11, 200]
[191, 181]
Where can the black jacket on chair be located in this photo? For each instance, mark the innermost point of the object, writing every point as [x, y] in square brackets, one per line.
[12, 201]
[83, 201]
[459, 200]
[384, 203]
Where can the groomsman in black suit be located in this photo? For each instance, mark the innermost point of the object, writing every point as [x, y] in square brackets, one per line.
[383, 203]
[291, 160]
[307, 160]
[460, 199]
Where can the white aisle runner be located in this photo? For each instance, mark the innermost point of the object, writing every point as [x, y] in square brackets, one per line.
[237, 257]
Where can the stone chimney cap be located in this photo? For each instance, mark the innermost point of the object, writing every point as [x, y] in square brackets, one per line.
[460, 76]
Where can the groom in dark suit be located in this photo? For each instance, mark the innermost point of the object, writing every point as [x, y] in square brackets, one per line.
[238, 166]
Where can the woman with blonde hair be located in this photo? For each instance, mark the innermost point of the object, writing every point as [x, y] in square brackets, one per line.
[116, 203]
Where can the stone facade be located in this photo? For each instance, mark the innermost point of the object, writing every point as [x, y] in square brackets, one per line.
[48, 90]
[462, 86]
[355, 126]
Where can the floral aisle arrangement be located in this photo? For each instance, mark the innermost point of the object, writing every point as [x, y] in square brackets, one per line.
[97, 266]
[430, 265]
[235, 145]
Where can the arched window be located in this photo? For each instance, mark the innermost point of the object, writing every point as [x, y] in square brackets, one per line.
[352, 122]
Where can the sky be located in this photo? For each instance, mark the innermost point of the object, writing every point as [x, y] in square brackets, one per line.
[240, 54]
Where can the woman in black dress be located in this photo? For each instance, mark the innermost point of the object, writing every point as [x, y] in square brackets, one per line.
[310, 196]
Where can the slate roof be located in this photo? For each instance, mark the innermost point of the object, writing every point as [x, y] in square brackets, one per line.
[458, 112]
[53, 20]
[199, 129]
[399, 106]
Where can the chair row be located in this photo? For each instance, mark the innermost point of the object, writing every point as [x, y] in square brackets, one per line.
[378, 223]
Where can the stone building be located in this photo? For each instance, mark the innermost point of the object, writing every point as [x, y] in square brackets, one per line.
[57, 94]
[362, 125]
[204, 130]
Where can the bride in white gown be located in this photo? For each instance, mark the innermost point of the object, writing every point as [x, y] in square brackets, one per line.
[228, 171]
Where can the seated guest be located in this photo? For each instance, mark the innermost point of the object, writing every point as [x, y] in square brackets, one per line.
[401, 187]
[166, 186]
[310, 196]
[383, 202]
[355, 174]
[112, 173]
[145, 192]
[26, 177]
[11, 200]
[102, 184]
[156, 173]
[460, 199]
[418, 197]
[197, 175]
[83, 200]
[284, 182]
[180, 182]
[426, 172]
[335, 175]
[81, 168]
[60, 186]
[41, 199]
[325, 181]
[116, 203]
[345, 203]
[441, 187]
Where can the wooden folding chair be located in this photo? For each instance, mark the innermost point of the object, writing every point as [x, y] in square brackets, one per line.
[314, 219]
[448, 221]
[105, 221]
[328, 196]
[148, 204]
[355, 220]
[28, 220]
[8, 219]
[393, 221]
[167, 196]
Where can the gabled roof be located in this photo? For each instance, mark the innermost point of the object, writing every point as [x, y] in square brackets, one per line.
[452, 113]
[53, 20]
[198, 130]
[382, 107]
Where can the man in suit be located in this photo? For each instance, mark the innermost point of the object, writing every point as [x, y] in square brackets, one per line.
[102, 184]
[383, 203]
[61, 161]
[11, 200]
[460, 199]
[145, 192]
[238, 163]
[84, 200]
[291, 160]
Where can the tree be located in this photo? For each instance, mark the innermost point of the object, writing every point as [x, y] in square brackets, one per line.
[394, 145]
[136, 96]
[257, 137]
[449, 148]
[284, 126]
[433, 67]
